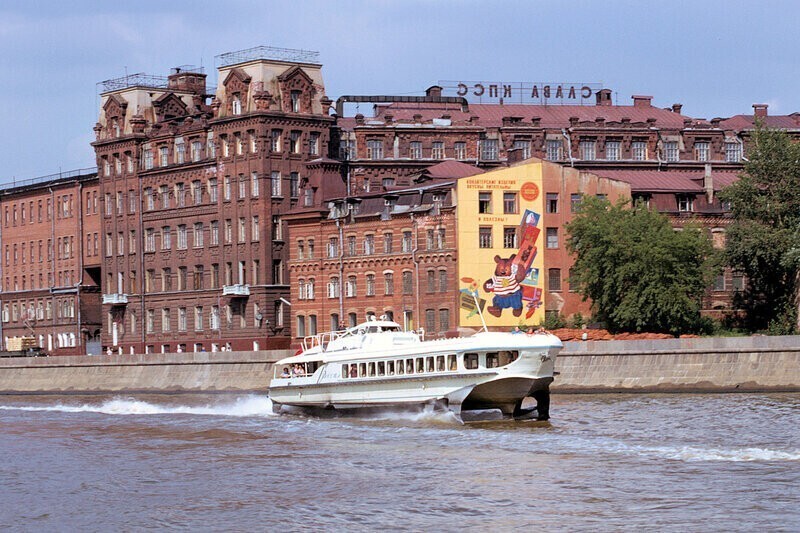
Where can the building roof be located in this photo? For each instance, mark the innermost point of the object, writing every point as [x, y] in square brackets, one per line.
[747, 122]
[451, 169]
[668, 180]
[491, 115]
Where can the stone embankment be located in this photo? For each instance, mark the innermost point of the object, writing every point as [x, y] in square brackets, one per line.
[665, 365]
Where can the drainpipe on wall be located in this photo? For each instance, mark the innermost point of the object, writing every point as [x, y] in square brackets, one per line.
[414, 251]
[341, 268]
[658, 152]
[140, 250]
[80, 265]
[569, 147]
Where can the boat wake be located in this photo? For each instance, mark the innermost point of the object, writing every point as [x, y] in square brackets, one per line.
[244, 406]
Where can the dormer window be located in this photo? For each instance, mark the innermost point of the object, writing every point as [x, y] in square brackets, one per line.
[236, 105]
[295, 100]
[685, 203]
[115, 127]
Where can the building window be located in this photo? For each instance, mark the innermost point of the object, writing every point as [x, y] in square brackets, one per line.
[387, 243]
[214, 318]
[295, 100]
[197, 151]
[254, 184]
[275, 140]
[165, 320]
[255, 229]
[211, 148]
[294, 141]
[408, 283]
[147, 158]
[180, 150]
[443, 281]
[242, 229]
[197, 192]
[719, 282]
[524, 147]
[333, 287]
[407, 242]
[236, 105]
[333, 247]
[552, 238]
[484, 202]
[510, 237]
[370, 284]
[510, 203]
[460, 150]
[685, 203]
[485, 237]
[444, 319]
[553, 150]
[149, 240]
[226, 188]
[430, 322]
[163, 156]
[212, 190]
[198, 234]
[275, 180]
[166, 238]
[388, 283]
[310, 248]
[733, 152]
[671, 151]
[588, 149]
[369, 244]
[149, 201]
[415, 150]
[639, 150]
[181, 319]
[374, 149]
[351, 246]
[551, 202]
[150, 320]
[737, 282]
[554, 279]
[489, 149]
[294, 181]
[437, 150]
[301, 326]
[613, 150]
[575, 202]
[702, 151]
[313, 143]
[181, 236]
[198, 318]
[228, 231]
[350, 287]
[242, 186]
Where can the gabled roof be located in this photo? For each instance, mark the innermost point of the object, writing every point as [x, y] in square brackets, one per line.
[668, 180]
[451, 169]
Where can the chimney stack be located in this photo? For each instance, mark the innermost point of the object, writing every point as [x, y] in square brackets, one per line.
[641, 101]
[603, 97]
[676, 108]
[433, 90]
[760, 110]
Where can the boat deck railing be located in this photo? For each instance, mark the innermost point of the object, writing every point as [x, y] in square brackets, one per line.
[324, 340]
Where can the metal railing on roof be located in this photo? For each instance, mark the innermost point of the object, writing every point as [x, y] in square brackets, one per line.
[267, 52]
[77, 173]
[139, 79]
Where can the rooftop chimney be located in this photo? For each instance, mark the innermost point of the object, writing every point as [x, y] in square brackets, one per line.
[603, 97]
[676, 108]
[641, 101]
[760, 110]
[433, 90]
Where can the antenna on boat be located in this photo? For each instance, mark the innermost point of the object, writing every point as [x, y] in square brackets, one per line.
[480, 313]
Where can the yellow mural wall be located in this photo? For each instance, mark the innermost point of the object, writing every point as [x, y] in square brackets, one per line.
[501, 247]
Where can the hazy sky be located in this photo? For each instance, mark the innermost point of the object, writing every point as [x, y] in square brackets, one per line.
[717, 58]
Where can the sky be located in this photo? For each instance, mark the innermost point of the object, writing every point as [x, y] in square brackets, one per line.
[717, 58]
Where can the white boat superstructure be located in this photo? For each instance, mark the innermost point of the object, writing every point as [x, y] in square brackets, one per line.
[377, 364]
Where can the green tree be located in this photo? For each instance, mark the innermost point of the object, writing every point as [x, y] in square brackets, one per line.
[763, 241]
[640, 274]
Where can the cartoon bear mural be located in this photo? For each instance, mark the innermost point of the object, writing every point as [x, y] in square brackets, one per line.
[505, 284]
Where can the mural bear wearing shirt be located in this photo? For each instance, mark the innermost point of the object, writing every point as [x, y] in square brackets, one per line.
[505, 286]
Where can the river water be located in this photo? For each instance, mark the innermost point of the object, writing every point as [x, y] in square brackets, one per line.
[604, 462]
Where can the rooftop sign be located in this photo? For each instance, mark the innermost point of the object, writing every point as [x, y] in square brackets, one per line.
[522, 92]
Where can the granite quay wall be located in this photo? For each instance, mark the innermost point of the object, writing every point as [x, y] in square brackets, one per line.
[716, 364]
[673, 365]
[174, 372]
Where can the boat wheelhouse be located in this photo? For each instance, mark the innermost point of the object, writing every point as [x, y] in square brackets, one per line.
[377, 364]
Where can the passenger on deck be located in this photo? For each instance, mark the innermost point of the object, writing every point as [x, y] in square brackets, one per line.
[285, 373]
[353, 371]
[298, 370]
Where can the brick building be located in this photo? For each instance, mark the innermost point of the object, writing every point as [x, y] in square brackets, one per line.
[51, 262]
[194, 186]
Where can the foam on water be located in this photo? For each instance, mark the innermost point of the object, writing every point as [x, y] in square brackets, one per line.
[251, 405]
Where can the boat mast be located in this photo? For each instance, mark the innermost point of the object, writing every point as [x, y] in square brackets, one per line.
[480, 313]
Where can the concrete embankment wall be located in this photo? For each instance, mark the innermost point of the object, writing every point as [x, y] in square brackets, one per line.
[176, 372]
[719, 364]
[674, 365]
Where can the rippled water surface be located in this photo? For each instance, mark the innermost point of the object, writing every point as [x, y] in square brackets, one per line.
[611, 462]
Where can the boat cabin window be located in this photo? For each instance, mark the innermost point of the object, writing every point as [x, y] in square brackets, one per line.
[470, 361]
[409, 366]
[492, 360]
[420, 365]
[390, 368]
[429, 365]
[362, 369]
[381, 368]
[440, 363]
[312, 367]
[400, 368]
[353, 370]
[451, 362]
[371, 369]
[345, 371]
[507, 357]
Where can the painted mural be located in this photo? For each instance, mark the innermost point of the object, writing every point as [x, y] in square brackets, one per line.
[500, 263]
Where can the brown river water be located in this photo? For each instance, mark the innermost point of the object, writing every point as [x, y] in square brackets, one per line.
[727, 462]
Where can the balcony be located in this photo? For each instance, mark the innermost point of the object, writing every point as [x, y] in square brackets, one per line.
[115, 299]
[236, 290]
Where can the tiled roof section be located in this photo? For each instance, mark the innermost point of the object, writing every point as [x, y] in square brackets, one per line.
[491, 115]
[747, 122]
[452, 169]
[667, 180]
